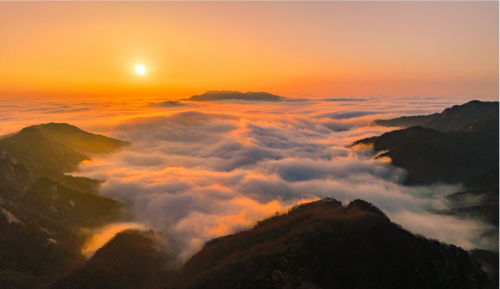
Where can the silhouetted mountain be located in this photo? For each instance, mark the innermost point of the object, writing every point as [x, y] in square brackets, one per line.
[472, 116]
[35, 250]
[40, 227]
[322, 244]
[168, 103]
[479, 203]
[326, 245]
[78, 139]
[487, 212]
[459, 145]
[315, 245]
[55, 147]
[131, 259]
[431, 156]
[41, 218]
[33, 149]
[212, 95]
[489, 263]
[485, 195]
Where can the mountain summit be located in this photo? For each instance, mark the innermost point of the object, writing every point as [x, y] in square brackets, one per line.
[43, 211]
[212, 95]
[326, 245]
[321, 244]
[56, 147]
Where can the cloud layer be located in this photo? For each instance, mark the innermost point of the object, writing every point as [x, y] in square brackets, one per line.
[199, 172]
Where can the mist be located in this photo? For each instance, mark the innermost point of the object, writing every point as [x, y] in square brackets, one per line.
[196, 172]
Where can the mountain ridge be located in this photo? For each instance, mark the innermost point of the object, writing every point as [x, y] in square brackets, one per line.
[321, 244]
[214, 95]
[43, 210]
[474, 115]
[55, 147]
[459, 145]
[464, 150]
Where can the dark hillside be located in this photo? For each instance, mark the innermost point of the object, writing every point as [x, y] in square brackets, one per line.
[40, 226]
[472, 116]
[476, 203]
[489, 262]
[55, 148]
[130, 260]
[315, 245]
[326, 245]
[35, 150]
[213, 95]
[431, 156]
[35, 249]
[78, 139]
[458, 146]
[69, 206]
[15, 179]
[41, 218]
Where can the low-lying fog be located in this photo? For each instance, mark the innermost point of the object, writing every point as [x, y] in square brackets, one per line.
[203, 170]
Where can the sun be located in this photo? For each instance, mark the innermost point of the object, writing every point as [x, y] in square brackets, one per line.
[140, 69]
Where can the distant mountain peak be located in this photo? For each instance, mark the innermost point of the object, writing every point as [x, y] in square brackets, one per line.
[214, 95]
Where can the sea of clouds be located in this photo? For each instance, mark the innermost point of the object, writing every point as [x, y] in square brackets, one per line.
[201, 170]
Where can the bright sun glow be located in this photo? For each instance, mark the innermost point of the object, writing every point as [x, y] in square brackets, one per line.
[140, 69]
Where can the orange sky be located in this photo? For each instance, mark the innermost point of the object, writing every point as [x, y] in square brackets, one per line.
[90, 49]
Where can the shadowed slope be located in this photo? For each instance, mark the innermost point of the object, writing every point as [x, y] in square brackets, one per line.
[431, 156]
[325, 245]
[35, 150]
[40, 217]
[472, 116]
[78, 139]
[55, 147]
[130, 260]
[458, 146]
[315, 245]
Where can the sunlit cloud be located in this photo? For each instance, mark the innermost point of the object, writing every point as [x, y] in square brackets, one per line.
[199, 172]
[102, 235]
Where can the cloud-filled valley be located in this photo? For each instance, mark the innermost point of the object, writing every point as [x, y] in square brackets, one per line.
[199, 172]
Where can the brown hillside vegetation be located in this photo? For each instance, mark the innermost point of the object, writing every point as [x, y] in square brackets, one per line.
[42, 211]
[130, 260]
[326, 245]
[322, 244]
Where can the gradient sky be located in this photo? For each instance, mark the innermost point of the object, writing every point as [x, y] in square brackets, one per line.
[295, 49]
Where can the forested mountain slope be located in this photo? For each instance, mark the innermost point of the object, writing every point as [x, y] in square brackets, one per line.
[472, 116]
[322, 244]
[43, 211]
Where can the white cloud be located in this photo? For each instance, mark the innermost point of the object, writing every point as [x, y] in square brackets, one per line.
[212, 169]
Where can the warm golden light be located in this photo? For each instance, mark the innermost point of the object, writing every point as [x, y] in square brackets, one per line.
[296, 49]
[140, 69]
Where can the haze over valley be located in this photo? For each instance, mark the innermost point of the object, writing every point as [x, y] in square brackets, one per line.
[194, 172]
